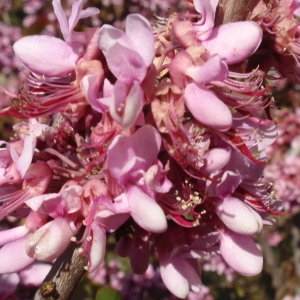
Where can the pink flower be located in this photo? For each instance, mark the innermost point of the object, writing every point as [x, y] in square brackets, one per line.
[36, 52]
[128, 57]
[48, 242]
[240, 253]
[127, 160]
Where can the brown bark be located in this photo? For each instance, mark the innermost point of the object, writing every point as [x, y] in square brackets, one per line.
[64, 276]
[233, 10]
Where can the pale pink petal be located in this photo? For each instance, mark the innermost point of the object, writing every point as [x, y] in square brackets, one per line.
[234, 41]
[34, 274]
[25, 158]
[126, 64]
[241, 253]
[88, 12]
[207, 9]
[75, 12]
[216, 159]
[13, 257]
[120, 152]
[140, 31]
[147, 142]
[145, 211]
[229, 182]
[174, 280]
[109, 35]
[61, 17]
[91, 86]
[10, 235]
[36, 53]
[238, 216]
[48, 242]
[133, 106]
[36, 202]
[8, 285]
[98, 247]
[207, 108]
[215, 69]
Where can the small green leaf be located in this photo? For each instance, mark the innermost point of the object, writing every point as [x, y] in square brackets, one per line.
[108, 293]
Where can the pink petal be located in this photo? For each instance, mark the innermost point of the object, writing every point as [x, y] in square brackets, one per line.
[178, 276]
[216, 159]
[48, 242]
[91, 86]
[37, 54]
[109, 35]
[13, 257]
[61, 17]
[234, 41]
[175, 282]
[238, 216]
[126, 64]
[98, 247]
[8, 285]
[133, 106]
[207, 9]
[145, 211]
[241, 253]
[207, 108]
[214, 69]
[140, 31]
[10, 235]
[138, 151]
[25, 158]
[146, 142]
[34, 274]
[88, 12]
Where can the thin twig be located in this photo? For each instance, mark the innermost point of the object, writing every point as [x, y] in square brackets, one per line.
[233, 10]
[65, 274]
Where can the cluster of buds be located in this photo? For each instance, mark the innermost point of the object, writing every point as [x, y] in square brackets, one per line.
[155, 135]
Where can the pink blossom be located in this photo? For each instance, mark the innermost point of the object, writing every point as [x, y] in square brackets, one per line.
[240, 253]
[128, 56]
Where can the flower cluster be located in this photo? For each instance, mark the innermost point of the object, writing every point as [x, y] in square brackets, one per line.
[156, 135]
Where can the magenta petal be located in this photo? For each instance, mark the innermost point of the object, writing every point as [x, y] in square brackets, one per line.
[241, 253]
[45, 55]
[145, 211]
[140, 31]
[13, 257]
[234, 41]
[207, 108]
